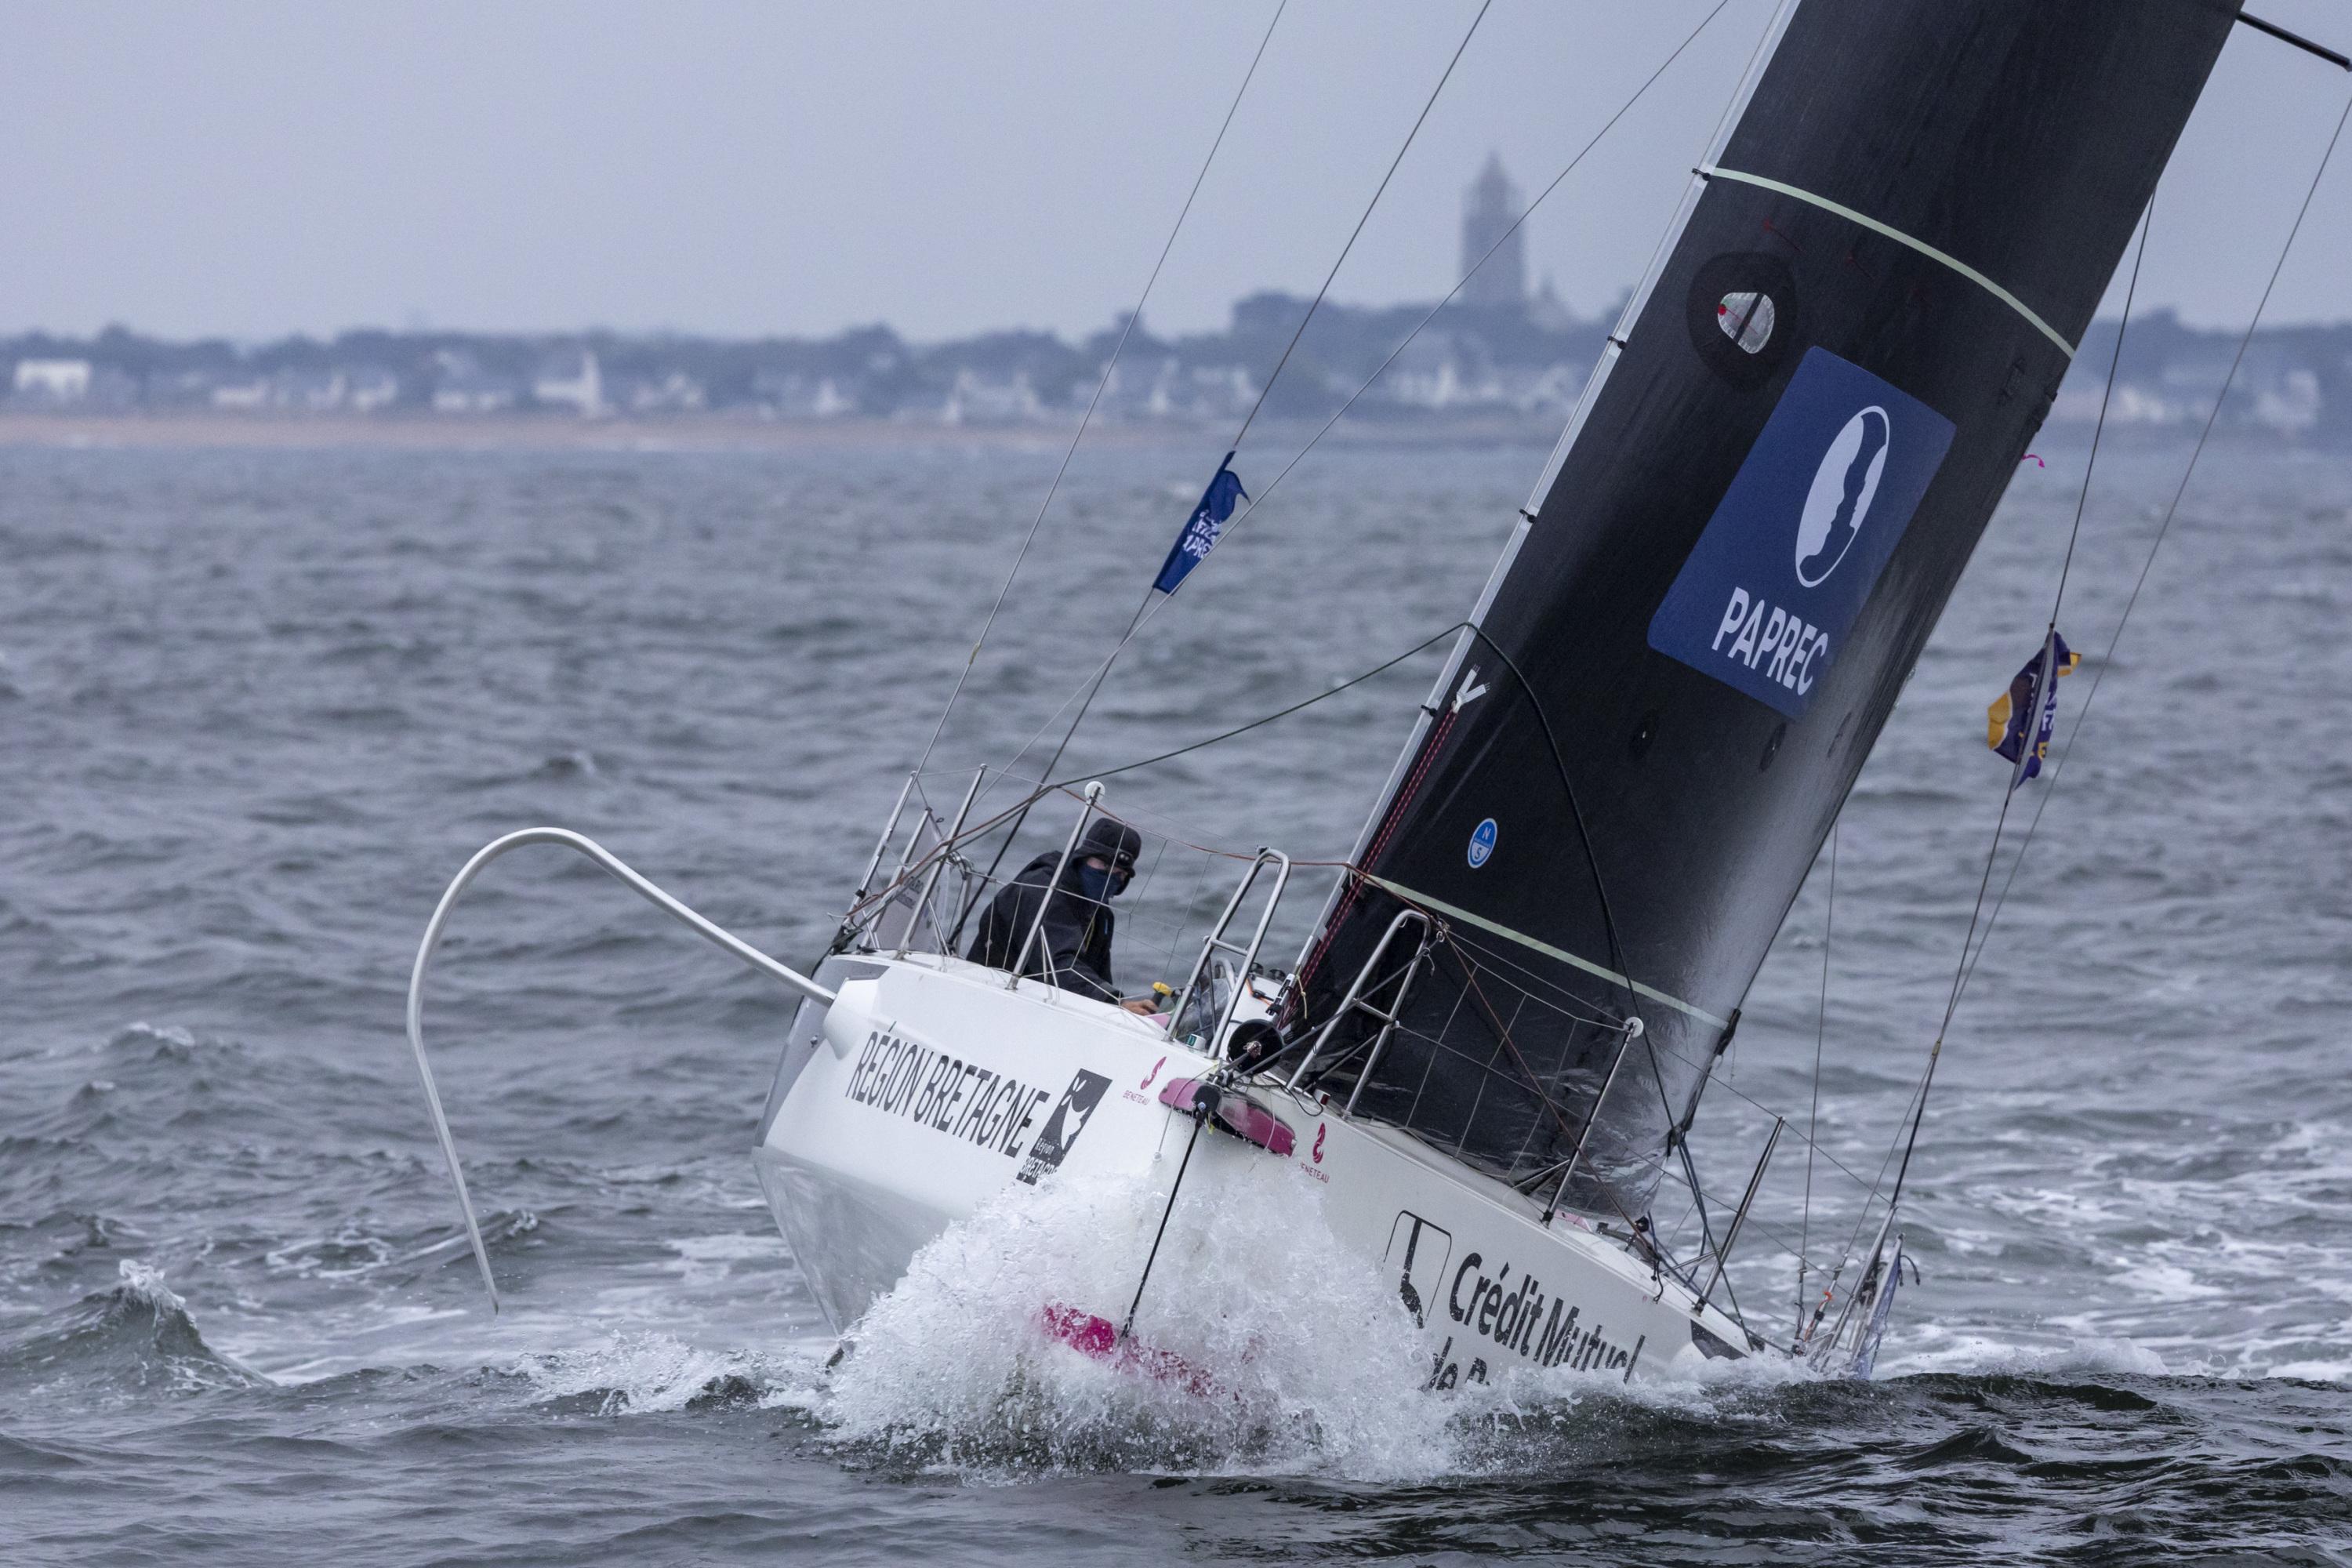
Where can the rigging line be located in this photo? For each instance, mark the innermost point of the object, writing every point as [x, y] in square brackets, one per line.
[1020, 810]
[1125, 331]
[1043, 789]
[1356, 232]
[2045, 684]
[1135, 628]
[1055, 761]
[1238, 730]
[1144, 610]
[1821, 1032]
[2099, 675]
[1380, 668]
[1575, 815]
[1200, 1116]
[1914, 1109]
[1967, 967]
[2042, 693]
[1917, 1098]
[2106, 397]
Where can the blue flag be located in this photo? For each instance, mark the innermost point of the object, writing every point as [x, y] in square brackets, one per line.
[2013, 710]
[1204, 528]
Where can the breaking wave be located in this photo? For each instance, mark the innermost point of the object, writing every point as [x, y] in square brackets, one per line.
[646, 1372]
[137, 1337]
[1262, 1345]
[1268, 1344]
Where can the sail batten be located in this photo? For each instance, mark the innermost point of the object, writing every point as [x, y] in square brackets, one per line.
[1779, 465]
[1891, 232]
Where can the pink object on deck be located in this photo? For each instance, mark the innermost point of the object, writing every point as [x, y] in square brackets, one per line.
[1244, 1119]
[1096, 1336]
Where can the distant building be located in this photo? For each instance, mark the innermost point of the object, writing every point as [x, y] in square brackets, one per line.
[246, 396]
[574, 381]
[676, 392]
[465, 387]
[288, 391]
[990, 400]
[1489, 208]
[373, 387]
[2291, 404]
[52, 380]
[792, 395]
[1548, 311]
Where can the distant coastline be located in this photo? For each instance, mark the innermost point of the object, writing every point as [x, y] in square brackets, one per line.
[1503, 371]
[1503, 359]
[707, 432]
[201, 431]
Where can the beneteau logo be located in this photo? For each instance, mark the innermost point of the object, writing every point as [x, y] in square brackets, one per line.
[1839, 499]
[1062, 1128]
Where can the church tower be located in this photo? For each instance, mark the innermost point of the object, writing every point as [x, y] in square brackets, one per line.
[1488, 208]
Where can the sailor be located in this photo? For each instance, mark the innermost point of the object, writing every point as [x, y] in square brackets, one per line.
[1073, 948]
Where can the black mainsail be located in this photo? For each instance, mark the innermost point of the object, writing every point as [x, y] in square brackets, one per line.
[1782, 463]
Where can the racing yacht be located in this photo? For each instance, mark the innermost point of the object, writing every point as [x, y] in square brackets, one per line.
[1486, 1058]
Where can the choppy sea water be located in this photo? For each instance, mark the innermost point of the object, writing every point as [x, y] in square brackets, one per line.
[260, 705]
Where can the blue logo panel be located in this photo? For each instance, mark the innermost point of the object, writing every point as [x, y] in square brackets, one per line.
[1482, 843]
[1798, 542]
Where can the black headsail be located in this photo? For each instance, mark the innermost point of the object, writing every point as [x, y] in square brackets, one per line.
[1755, 518]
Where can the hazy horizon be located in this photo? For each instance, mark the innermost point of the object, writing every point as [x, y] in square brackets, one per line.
[731, 170]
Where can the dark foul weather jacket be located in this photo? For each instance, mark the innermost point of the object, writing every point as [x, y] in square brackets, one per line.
[1072, 950]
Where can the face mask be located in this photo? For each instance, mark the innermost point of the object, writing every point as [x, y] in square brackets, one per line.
[1100, 885]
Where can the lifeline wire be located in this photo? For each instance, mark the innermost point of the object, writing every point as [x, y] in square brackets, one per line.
[1124, 333]
[1135, 628]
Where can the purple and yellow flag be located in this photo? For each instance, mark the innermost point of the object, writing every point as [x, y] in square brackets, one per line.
[2007, 719]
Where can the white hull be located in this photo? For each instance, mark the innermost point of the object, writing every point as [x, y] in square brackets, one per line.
[931, 1084]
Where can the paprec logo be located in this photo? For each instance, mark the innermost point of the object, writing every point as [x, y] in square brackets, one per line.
[1778, 576]
[1840, 495]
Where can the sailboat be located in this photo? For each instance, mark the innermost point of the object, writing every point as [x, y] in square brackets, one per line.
[1489, 1055]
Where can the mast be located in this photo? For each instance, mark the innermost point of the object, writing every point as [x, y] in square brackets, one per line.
[1782, 461]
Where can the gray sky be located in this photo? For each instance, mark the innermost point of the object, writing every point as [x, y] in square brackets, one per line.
[254, 168]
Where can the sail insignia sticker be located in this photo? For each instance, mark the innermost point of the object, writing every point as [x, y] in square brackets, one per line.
[1482, 843]
[1839, 503]
[1784, 565]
